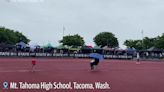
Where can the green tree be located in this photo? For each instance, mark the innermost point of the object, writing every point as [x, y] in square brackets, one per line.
[148, 42]
[129, 43]
[9, 36]
[137, 44]
[72, 40]
[160, 42]
[106, 39]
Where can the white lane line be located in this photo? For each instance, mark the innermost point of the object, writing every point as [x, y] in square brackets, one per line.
[5, 71]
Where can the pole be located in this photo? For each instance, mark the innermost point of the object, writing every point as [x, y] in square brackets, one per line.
[142, 32]
[63, 31]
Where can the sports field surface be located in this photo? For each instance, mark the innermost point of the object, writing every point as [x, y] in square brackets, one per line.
[121, 75]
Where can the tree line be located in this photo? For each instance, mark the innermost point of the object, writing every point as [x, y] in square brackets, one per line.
[8, 36]
[102, 39]
[146, 43]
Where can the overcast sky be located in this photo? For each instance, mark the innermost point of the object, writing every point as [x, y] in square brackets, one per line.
[43, 20]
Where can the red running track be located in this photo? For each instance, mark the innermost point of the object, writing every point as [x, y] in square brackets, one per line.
[122, 76]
